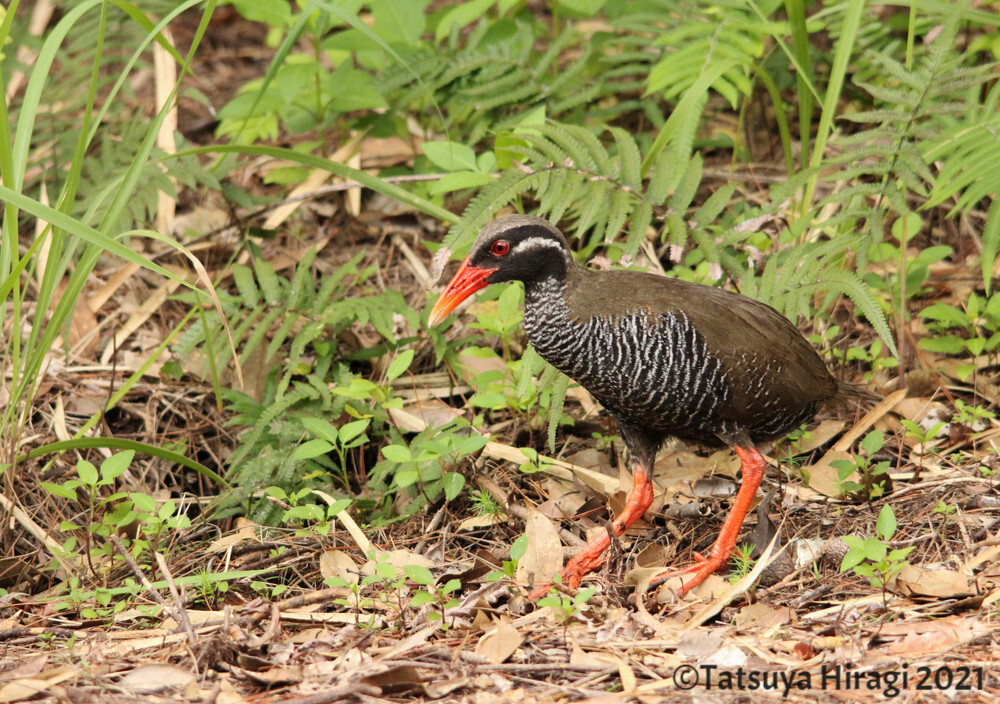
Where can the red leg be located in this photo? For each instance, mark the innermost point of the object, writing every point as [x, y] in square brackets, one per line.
[752, 465]
[640, 496]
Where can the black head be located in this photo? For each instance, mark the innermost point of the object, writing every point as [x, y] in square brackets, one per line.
[520, 248]
[513, 248]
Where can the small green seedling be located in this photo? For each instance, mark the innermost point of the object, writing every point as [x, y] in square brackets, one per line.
[567, 609]
[874, 476]
[742, 562]
[871, 557]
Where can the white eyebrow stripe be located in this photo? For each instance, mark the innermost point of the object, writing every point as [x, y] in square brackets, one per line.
[535, 243]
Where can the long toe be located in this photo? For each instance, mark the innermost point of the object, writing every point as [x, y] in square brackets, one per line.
[699, 572]
[580, 565]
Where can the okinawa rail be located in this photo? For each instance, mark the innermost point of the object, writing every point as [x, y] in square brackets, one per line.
[665, 357]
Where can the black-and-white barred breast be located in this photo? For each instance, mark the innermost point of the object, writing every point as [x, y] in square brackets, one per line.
[654, 373]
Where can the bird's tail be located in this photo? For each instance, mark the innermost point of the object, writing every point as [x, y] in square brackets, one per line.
[853, 396]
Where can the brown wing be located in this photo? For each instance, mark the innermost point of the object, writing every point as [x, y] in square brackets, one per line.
[772, 368]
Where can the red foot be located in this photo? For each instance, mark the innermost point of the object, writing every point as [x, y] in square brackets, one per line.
[753, 471]
[701, 569]
[587, 560]
[592, 555]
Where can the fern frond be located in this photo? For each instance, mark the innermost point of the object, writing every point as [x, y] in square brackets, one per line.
[559, 386]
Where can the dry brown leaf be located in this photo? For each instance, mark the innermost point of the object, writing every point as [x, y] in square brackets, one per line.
[245, 530]
[700, 643]
[398, 559]
[470, 366]
[286, 674]
[24, 688]
[147, 679]
[543, 556]
[929, 638]
[824, 477]
[988, 555]
[601, 483]
[337, 563]
[917, 408]
[28, 668]
[913, 580]
[819, 436]
[197, 618]
[714, 487]
[565, 498]
[578, 656]
[627, 676]
[484, 520]
[418, 416]
[83, 328]
[396, 680]
[408, 644]
[640, 577]
[681, 467]
[762, 616]
[499, 642]
[386, 151]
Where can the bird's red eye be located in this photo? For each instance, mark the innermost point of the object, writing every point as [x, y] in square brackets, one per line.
[500, 248]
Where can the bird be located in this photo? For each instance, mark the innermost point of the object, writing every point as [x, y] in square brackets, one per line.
[665, 357]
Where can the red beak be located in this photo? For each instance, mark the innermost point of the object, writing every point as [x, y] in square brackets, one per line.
[467, 280]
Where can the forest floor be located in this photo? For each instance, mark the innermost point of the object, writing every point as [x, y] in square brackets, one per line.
[794, 627]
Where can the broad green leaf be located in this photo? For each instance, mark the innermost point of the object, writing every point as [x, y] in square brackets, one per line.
[420, 598]
[588, 8]
[460, 16]
[407, 477]
[275, 14]
[400, 22]
[312, 448]
[458, 180]
[321, 428]
[397, 453]
[885, 526]
[453, 484]
[360, 389]
[945, 313]
[419, 574]
[349, 431]
[873, 442]
[63, 492]
[143, 502]
[519, 547]
[87, 472]
[167, 509]
[115, 466]
[875, 549]
[852, 559]
[399, 365]
[451, 156]
[946, 344]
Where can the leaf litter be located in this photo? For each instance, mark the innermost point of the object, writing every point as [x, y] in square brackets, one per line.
[794, 612]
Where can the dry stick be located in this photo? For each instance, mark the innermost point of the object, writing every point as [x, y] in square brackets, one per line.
[316, 597]
[28, 523]
[483, 664]
[181, 611]
[181, 616]
[271, 633]
[430, 530]
[351, 690]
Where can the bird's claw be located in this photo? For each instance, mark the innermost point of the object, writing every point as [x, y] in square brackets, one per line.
[572, 574]
[700, 570]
